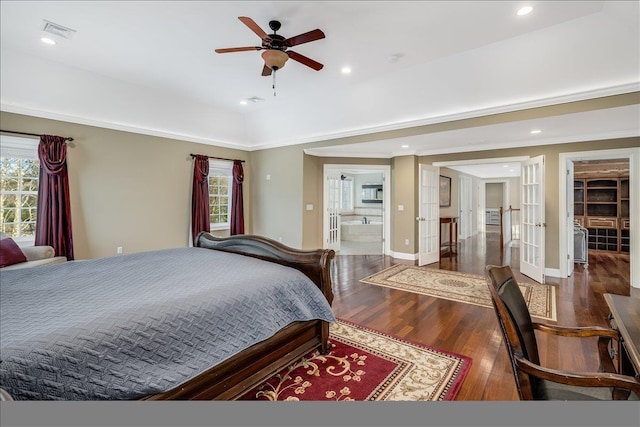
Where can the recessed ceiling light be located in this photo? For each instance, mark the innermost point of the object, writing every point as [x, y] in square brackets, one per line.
[511, 170]
[525, 10]
[244, 102]
[505, 166]
[405, 146]
[535, 131]
[346, 70]
[47, 40]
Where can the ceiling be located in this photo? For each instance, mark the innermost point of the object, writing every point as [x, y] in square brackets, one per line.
[150, 67]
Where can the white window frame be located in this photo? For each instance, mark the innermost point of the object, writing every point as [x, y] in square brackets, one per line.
[20, 148]
[227, 169]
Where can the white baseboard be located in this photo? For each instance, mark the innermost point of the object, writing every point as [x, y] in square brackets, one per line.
[403, 255]
[553, 272]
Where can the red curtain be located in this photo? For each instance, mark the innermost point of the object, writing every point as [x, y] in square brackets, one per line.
[53, 218]
[200, 220]
[237, 209]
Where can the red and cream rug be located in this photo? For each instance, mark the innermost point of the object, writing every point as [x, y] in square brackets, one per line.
[368, 365]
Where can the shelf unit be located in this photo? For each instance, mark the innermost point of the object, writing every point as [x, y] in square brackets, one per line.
[601, 205]
[578, 201]
[624, 215]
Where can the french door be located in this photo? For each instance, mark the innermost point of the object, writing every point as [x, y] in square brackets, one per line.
[466, 208]
[532, 219]
[428, 214]
[332, 202]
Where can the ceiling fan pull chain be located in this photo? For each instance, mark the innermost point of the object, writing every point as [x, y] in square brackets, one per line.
[274, 83]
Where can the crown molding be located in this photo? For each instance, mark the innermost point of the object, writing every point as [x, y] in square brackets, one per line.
[544, 102]
[506, 108]
[9, 108]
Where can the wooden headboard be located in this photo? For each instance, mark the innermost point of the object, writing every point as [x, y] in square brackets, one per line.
[315, 264]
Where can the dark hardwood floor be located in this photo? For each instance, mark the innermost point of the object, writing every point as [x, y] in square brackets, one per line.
[471, 330]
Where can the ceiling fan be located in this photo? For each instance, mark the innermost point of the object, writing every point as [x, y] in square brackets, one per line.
[276, 47]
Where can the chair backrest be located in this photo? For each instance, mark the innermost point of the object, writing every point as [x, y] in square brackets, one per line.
[515, 323]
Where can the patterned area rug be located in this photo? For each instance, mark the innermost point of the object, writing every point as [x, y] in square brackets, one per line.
[367, 365]
[461, 287]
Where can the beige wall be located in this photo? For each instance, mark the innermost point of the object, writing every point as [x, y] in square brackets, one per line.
[404, 191]
[494, 195]
[454, 209]
[514, 193]
[127, 189]
[278, 201]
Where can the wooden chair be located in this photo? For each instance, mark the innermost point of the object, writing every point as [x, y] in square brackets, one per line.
[535, 382]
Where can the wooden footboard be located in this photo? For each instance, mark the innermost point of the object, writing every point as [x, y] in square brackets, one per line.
[240, 373]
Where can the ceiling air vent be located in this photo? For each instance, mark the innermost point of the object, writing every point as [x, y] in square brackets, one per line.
[58, 30]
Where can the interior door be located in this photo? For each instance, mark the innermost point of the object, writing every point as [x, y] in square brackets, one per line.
[466, 208]
[532, 219]
[569, 219]
[332, 217]
[428, 214]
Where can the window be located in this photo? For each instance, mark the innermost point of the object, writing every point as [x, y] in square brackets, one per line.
[346, 194]
[19, 177]
[220, 180]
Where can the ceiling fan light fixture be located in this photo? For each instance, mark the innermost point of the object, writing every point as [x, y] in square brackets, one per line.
[274, 58]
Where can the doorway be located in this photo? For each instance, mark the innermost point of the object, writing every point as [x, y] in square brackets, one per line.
[566, 207]
[356, 219]
[494, 199]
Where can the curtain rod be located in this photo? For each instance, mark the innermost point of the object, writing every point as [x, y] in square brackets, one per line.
[220, 158]
[68, 138]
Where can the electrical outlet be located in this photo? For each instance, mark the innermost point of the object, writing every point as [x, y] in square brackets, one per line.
[406, 242]
[119, 249]
[280, 239]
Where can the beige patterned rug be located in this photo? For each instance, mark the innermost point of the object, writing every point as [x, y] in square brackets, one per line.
[461, 287]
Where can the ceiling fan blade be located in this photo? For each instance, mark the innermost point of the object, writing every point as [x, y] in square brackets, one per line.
[305, 61]
[266, 71]
[238, 49]
[304, 38]
[253, 27]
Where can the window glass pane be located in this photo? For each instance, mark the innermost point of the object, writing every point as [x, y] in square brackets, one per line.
[30, 168]
[9, 229]
[30, 184]
[10, 184]
[28, 215]
[10, 167]
[28, 229]
[30, 200]
[8, 215]
[9, 201]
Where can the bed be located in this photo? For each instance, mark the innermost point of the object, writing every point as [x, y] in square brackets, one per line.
[207, 322]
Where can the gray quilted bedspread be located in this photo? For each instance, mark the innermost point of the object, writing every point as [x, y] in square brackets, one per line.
[129, 326]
